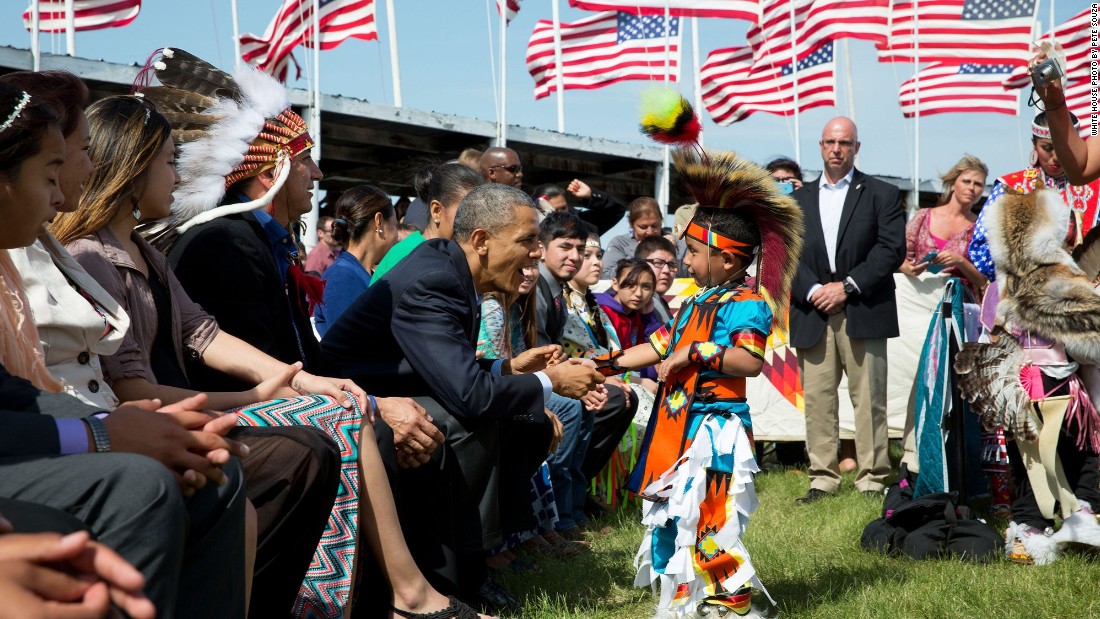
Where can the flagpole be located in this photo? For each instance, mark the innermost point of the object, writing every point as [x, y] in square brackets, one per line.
[698, 74]
[850, 88]
[36, 51]
[1052, 22]
[315, 120]
[794, 83]
[70, 28]
[559, 76]
[395, 65]
[916, 103]
[502, 127]
[663, 198]
[236, 36]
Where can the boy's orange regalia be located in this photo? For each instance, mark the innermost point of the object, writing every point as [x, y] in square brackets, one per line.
[696, 466]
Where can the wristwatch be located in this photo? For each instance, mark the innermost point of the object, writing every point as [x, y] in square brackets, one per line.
[849, 289]
[99, 434]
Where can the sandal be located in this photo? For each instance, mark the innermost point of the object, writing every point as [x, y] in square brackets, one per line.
[457, 610]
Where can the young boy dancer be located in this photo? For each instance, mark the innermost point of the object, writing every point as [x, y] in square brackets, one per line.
[696, 466]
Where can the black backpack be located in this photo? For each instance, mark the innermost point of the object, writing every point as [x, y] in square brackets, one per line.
[929, 527]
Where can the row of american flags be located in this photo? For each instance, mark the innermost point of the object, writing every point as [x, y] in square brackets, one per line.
[976, 49]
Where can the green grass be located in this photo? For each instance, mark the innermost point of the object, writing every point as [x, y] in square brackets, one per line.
[808, 556]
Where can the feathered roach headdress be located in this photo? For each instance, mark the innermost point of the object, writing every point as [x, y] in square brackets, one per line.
[227, 128]
[722, 180]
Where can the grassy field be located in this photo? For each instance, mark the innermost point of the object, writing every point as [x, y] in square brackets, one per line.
[808, 556]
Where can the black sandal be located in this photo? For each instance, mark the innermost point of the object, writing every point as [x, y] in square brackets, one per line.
[457, 610]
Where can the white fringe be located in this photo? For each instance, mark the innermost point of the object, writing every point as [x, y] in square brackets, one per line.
[683, 487]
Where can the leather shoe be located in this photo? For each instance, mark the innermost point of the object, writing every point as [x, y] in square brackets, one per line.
[496, 597]
[814, 495]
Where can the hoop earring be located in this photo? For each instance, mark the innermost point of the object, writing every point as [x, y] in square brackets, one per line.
[136, 210]
[1033, 158]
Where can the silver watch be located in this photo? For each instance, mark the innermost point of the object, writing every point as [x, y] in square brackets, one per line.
[99, 434]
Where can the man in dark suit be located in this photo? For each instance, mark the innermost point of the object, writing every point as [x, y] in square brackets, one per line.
[843, 308]
[121, 473]
[414, 333]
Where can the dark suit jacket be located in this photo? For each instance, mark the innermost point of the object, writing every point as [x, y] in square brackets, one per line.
[27, 417]
[227, 267]
[550, 306]
[414, 333]
[870, 247]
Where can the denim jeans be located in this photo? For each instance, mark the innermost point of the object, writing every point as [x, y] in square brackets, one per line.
[566, 474]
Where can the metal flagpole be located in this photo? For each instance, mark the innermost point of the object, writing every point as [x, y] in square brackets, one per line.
[70, 28]
[395, 66]
[559, 77]
[916, 105]
[794, 82]
[663, 198]
[698, 73]
[850, 88]
[1052, 21]
[236, 36]
[502, 127]
[315, 121]
[36, 50]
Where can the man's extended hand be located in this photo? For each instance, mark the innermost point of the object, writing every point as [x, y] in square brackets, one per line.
[47, 575]
[415, 437]
[533, 360]
[574, 378]
[579, 189]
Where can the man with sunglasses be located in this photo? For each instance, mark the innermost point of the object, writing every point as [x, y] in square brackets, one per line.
[843, 309]
[502, 165]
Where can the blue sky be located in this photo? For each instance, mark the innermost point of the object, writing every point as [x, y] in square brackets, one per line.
[445, 67]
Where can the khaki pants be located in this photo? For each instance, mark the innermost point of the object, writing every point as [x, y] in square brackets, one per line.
[821, 367]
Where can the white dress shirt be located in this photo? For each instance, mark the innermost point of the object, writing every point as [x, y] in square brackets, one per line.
[830, 206]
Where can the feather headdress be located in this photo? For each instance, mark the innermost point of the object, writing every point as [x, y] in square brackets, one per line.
[722, 180]
[227, 128]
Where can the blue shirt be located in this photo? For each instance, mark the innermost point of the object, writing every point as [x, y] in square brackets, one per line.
[345, 280]
[283, 247]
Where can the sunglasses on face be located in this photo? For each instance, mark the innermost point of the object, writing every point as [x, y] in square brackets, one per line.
[515, 168]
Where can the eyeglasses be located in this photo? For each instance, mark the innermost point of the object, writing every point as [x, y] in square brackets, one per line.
[515, 168]
[659, 264]
[844, 144]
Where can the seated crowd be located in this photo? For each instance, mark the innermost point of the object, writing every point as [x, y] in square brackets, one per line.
[400, 411]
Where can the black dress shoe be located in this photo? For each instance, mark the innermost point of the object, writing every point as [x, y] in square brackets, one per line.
[815, 494]
[496, 597]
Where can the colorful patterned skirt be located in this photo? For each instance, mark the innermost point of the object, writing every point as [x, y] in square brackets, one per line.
[324, 592]
[695, 515]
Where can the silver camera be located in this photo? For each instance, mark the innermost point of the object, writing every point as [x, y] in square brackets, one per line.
[1046, 71]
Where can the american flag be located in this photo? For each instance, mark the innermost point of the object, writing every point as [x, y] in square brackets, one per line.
[815, 21]
[965, 87]
[1079, 101]
[733, 89]
[988, 31]
[89, 14]
[293, 25]
[508, 8]
[1074, 37]
[603, 49]
[731, 9]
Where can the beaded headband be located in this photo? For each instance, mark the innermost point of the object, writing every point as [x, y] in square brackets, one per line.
[713, 239]
[23, 101]
[1044, 132]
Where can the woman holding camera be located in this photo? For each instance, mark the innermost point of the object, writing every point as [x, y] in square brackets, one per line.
[1045, 170]
[936, 238]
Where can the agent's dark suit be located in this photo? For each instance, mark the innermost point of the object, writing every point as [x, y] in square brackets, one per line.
[870, 246]
[414, 333]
